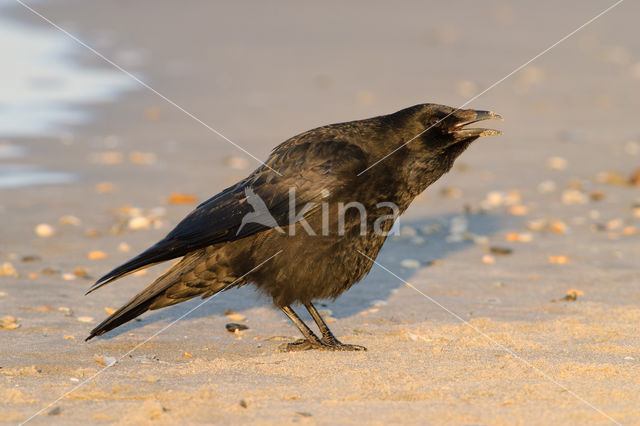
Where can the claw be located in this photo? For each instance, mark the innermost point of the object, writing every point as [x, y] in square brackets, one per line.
[305, 345]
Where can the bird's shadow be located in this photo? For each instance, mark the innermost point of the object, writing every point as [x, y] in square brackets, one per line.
[426, 240]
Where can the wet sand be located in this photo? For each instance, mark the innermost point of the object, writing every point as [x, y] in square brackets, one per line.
[547, 209]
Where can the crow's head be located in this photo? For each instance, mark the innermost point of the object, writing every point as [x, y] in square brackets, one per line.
[442, 128]
[439, 130]
[426, 139]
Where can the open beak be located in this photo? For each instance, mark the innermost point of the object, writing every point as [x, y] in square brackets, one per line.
[462, 133]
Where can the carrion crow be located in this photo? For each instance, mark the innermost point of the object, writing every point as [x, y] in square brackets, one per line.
[309, 231]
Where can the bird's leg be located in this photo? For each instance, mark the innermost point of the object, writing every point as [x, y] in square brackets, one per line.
[328, 339]
[310, 339]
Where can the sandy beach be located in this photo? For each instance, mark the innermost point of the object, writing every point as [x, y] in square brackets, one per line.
[511, 295]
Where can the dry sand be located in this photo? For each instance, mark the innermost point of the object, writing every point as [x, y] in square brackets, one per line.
[260, 73]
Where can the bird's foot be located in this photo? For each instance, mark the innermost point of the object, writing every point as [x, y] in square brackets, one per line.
[305, 345]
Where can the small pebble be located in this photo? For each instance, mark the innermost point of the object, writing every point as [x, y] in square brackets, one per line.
[44, 230]
[85, 319]
[50, 271]
[9, 323]
[572, 295]
[451, 192]
[180, 198]
[481, 240]
[69, 220]
[413, 337]
[54, 411]
[104, 188]
[558, 227]
[572, 196]
[139, 222]
[519, 210]
[92, 233]
[458, 225]
[142, 158]
[45, 308]
[7, 270]
[31, 258]
[410, 263]
[537, 225]
[614, 224]
[107, 158]
[234, 316]
[502, 251]
[430, 229]
[561, 260]
[612, 178]
[105, 360]
[635, 178]
[96, 255]
[495, 198]
[233, 327]
[81, 273]
[488, 259]
[418, 240]
[520, 238]
[124, 247]
[408, 232]
[557, 163]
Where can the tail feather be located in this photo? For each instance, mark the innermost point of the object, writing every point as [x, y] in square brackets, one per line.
[154, 296]
[149, 257]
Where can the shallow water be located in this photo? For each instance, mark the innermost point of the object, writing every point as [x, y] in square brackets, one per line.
[42, 89]
[44, 92]
[21, 175]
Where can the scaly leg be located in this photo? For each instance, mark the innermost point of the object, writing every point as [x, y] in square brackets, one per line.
[310, 339]
[327, 336]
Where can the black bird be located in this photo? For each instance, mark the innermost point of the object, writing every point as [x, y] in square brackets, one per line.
[308, 243]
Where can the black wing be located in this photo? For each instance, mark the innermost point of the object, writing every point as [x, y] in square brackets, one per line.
[310, 167]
